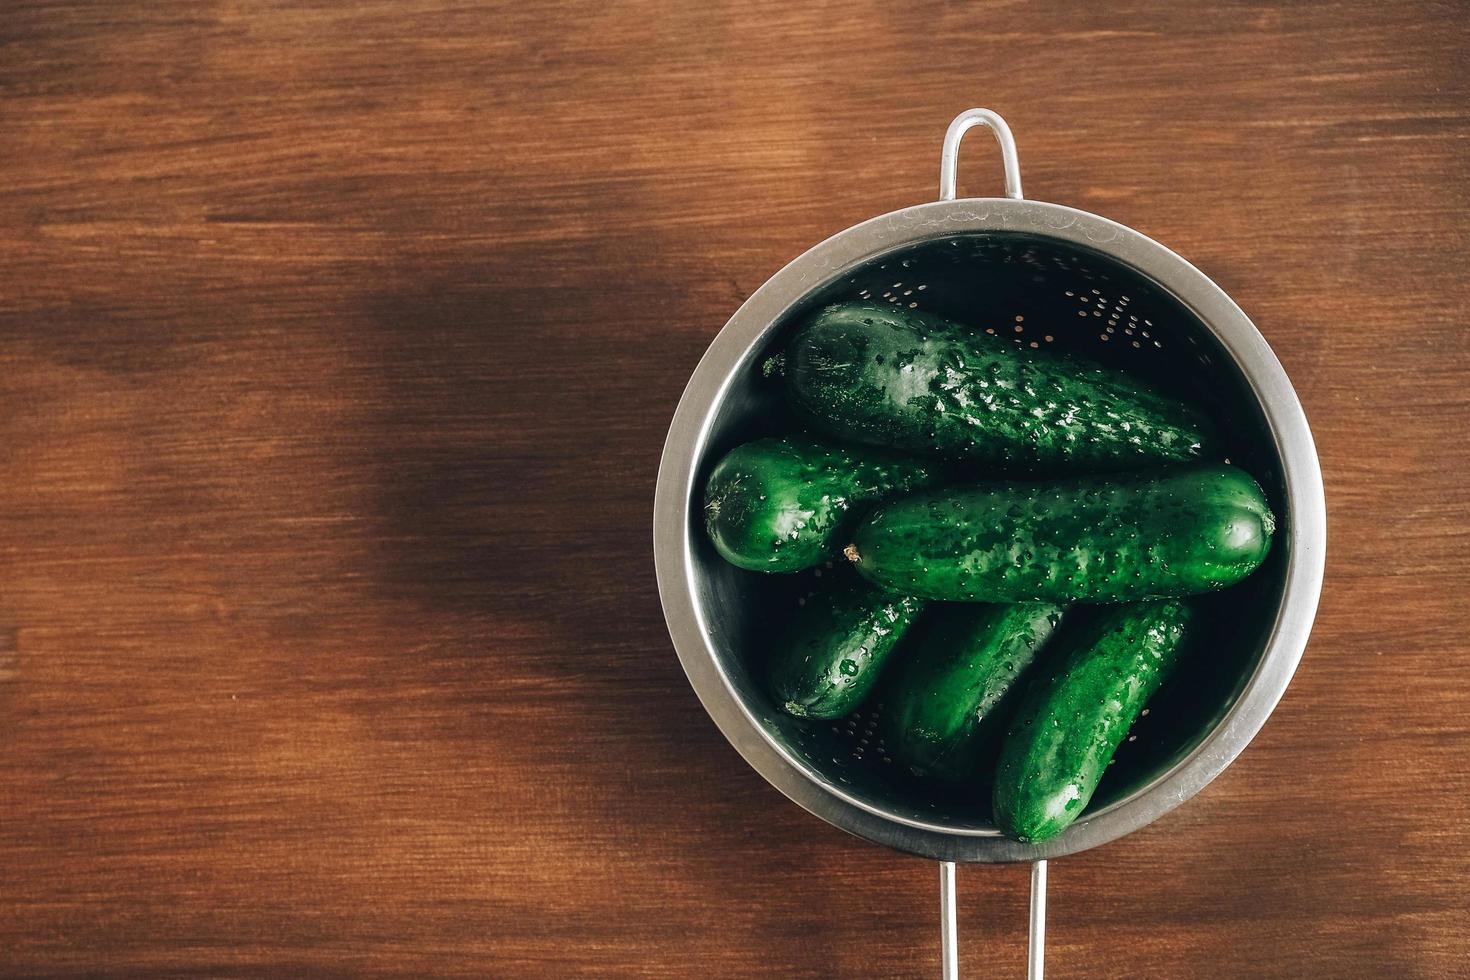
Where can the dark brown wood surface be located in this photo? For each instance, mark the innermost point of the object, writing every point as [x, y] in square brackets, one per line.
[337, 346]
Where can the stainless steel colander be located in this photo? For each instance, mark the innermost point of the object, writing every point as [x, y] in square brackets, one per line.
[1041, 275]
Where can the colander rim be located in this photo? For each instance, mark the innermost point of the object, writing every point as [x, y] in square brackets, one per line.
[839, 254]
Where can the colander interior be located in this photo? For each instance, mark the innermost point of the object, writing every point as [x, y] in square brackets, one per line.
[1036, 292]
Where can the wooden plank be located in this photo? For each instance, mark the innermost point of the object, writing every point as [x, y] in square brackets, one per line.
[337, 344]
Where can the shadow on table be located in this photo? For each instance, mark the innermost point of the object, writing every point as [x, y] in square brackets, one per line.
[521, 427]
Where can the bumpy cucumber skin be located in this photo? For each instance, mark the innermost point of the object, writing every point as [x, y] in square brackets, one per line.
[832, 657]
[952, 686]
[901, 378]
[1076, 714]
[1173, 533]
[778, 505]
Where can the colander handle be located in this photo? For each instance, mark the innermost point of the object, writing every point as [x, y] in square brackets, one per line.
[949, 156]
[949, 952]
[1036, 941]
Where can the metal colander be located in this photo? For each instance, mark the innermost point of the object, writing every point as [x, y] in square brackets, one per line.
[1039, 275]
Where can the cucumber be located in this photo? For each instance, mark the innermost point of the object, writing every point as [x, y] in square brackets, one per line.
[874, 374]
[778, 505]
[833, 655]
[952, 686]
[1076, 714]
[1114, 539]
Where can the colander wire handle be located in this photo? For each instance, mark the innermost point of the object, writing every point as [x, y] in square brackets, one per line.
[949, 156]
[949, 951]
[1036, 942]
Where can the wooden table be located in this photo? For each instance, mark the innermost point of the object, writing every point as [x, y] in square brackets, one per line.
[337, 346]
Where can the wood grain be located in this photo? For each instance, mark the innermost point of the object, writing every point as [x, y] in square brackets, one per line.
[337, 345]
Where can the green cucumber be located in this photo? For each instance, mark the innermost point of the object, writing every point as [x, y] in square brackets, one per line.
[952, 687]
[833, 655]
[778, 505]
[1076, 714]
[874, 374]
[1117, 539]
